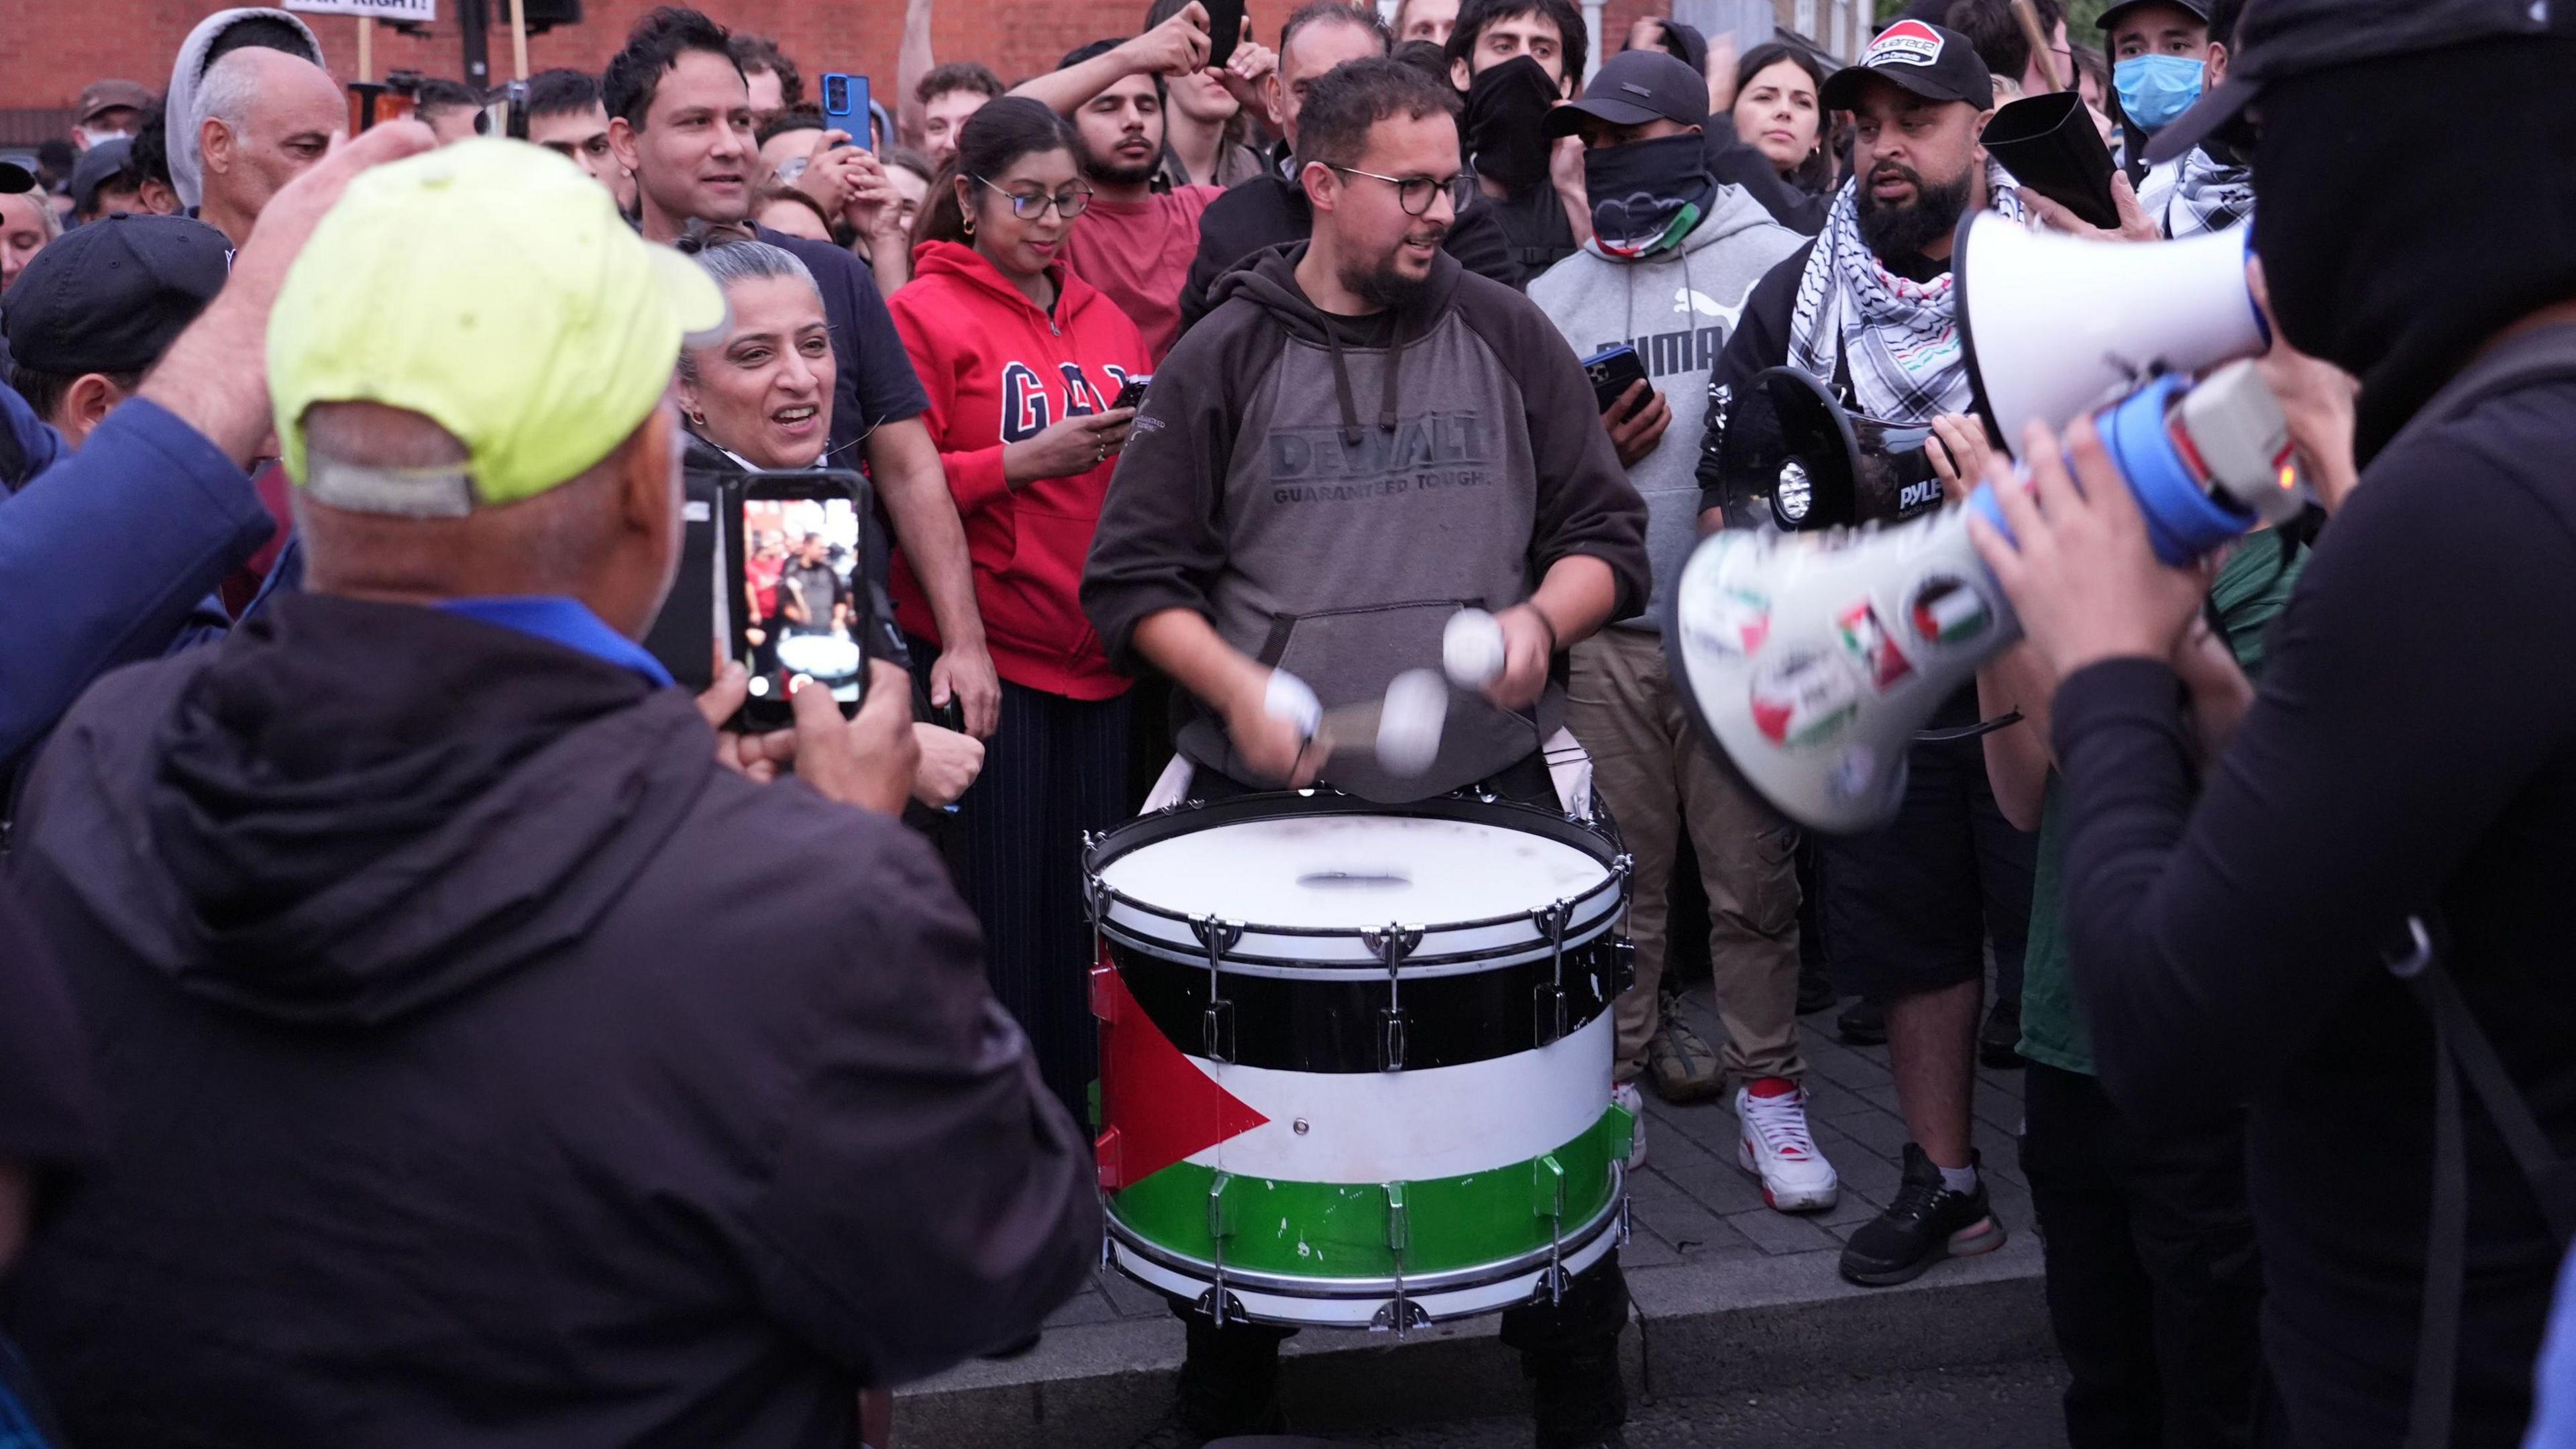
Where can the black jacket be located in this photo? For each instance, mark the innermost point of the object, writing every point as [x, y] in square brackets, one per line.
[483, 1065]
[1269, 210]
[2412, 748]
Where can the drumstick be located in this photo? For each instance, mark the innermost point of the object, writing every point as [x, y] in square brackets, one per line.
[1402, 729]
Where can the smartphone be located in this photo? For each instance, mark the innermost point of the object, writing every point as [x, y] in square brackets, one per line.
[1133, 394]
[1225, 29]
[846, 106]
[800, 600]
[1612, 369]
[683, 636]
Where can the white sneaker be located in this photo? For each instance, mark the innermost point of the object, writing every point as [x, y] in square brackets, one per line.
[1626, 1095]
[1772, 1143]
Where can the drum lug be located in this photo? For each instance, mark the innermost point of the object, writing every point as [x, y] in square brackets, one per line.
[1623, 967]
[1551, 919]
[1547, 1198]
[1399, 1314]
[1216, 1025]
[1548, 1018]
[1392, 944]
[1219, 1229]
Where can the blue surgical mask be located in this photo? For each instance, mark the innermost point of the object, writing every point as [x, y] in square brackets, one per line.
[2156, 88]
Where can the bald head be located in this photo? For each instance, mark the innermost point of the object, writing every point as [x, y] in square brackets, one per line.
[264, 116]
[608, 537]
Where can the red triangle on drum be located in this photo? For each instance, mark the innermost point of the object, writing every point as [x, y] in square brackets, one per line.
[1158, 1107]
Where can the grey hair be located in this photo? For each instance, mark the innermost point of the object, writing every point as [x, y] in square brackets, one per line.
[745, 261]
[228, 88]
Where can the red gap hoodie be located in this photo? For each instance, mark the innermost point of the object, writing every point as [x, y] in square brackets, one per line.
[998, 370]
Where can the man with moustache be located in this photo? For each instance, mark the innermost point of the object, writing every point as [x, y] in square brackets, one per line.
[1137, 238]
[1231, 551]
[1869, 309]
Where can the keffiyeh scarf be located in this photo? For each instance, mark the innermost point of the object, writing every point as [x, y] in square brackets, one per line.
[2205, 196]
[1898, 339]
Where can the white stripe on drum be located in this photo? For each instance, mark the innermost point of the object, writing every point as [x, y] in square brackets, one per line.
[1416, 1125]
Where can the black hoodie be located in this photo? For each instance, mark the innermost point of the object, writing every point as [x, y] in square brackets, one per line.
[483, 1065]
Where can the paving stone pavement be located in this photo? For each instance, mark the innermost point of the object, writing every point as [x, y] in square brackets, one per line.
[1693, 1205]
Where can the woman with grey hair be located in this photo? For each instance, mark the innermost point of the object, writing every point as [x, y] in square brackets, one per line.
[760, 396]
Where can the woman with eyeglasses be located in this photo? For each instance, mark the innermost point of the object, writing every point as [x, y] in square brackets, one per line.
[1021, 360]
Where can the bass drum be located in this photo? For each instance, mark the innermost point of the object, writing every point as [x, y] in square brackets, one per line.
[1355, 1059]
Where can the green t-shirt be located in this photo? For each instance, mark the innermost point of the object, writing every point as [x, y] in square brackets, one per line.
[2253, 587]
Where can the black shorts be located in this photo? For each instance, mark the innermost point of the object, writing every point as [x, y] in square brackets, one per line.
[1910, 908]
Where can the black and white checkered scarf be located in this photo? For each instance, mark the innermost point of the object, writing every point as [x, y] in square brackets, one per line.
[1899, 339]
[2205, 196]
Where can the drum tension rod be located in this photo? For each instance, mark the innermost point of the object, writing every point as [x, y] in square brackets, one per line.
[1397, 1315]
[1549, 1023]
[1216, 1024]
[1392, 943]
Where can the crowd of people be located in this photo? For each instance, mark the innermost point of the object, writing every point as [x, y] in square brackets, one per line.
[423, 1019]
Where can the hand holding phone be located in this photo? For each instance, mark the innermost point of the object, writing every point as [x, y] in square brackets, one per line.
[846, 107]
[1132, 395]
[1612, 370]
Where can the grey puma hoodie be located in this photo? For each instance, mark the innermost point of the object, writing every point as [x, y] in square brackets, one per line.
[1328, 505]
[1677, 309]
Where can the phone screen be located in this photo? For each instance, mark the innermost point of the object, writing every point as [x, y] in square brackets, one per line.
[804, 604]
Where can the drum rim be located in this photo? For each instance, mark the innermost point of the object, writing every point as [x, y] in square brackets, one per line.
[1170, 822]
[1448, 1280]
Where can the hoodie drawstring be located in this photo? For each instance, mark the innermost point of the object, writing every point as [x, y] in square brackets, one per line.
[1342, 386]
[1386, 393]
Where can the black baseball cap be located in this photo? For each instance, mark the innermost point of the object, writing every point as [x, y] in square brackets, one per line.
[113, 295]
[1634, 87]
[96, 167]
[1932, 61]
[15, 176]
[2200, 8]
[2278, 39]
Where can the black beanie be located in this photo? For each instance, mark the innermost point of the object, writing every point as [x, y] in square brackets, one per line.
[2400, 229]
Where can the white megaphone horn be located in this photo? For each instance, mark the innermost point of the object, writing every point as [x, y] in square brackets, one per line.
[1811, 659]
[2053, 325]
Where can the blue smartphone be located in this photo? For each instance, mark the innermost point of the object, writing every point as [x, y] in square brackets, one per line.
[846, 107]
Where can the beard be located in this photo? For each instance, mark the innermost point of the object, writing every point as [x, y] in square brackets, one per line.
[1108, 172]
[1905, 230]
[1382, 283]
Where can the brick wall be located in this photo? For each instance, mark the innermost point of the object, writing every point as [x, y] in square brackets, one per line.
[54, 49]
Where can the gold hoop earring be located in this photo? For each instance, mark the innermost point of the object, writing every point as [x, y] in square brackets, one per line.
[968, 223]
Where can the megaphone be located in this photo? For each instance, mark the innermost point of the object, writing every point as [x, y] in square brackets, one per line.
[2053, 325]
[1791, 457]
[1810, 660]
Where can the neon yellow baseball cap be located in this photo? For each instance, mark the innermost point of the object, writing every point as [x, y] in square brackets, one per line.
[492, 287]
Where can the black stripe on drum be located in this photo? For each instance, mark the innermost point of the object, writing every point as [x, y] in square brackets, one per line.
[1307, 1025]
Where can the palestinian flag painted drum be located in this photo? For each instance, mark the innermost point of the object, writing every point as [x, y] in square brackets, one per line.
[1355, 1059]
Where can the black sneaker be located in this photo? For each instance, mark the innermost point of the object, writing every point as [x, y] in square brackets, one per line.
[1863, 1023]
[1999, 1043]
[1925, 1224]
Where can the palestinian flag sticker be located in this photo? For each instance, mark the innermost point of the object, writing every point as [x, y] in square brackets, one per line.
[1948, 610]
[1803, 698]
[1870, 643]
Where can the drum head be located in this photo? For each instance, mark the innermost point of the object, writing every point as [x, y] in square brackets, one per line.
[1354, 872]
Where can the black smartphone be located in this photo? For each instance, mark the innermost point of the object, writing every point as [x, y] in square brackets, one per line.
[1612, 370]
[1132, 395]
[683, 636]
[1225, 29]
[800, 602]
[845, 107]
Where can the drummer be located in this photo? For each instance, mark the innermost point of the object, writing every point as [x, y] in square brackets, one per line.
[1360, 439]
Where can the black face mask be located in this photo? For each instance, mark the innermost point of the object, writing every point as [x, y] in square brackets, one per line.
[1505, 106]
[1648, 195]
[2398, 237]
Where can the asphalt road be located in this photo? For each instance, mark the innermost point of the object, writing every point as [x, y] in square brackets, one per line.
[2006, 1406]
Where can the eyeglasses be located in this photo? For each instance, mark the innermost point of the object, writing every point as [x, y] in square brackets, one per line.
[1068, 204]
[1414, 193]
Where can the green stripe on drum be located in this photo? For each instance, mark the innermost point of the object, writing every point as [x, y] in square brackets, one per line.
[1343, 1230]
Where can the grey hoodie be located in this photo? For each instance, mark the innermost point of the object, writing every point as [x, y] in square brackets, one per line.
[1677, 308]
[179, 107]
[1328, 503]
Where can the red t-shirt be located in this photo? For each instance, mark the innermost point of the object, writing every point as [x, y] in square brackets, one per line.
[1140, 256]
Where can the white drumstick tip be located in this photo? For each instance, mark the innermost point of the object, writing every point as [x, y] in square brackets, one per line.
[1471, 649]
[1410, 721]
[1290, 698]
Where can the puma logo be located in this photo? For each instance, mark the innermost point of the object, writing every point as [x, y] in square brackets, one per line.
[1693, 300]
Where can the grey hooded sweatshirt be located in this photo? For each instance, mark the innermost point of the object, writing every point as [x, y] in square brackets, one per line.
[1328, 491]
[187, 163]
[1677, 308]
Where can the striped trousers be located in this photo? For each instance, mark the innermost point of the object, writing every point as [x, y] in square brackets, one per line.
[1057, 768]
